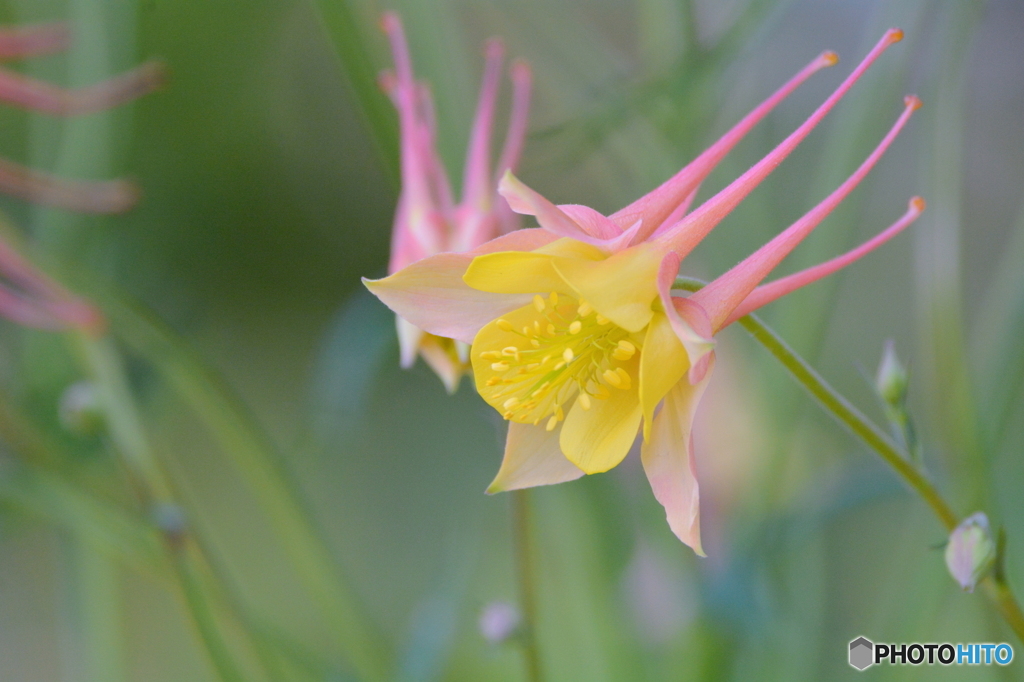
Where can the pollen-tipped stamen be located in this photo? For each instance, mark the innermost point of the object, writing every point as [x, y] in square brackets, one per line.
[725, 293]
[686, 234]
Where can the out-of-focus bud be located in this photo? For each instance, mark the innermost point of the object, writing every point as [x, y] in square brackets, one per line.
[971, 552]
[499, 622]
[892, 377]
[171, 521]
[79, 409]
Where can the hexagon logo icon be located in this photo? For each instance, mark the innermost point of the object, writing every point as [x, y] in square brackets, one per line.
[862, 653]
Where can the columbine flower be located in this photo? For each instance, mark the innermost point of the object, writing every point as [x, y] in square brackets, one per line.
[428, 221]
[577, 338]
[113, 196]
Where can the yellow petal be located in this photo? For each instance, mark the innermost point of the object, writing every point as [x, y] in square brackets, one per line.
[517, 272]
[597, 439]
[621, 287]
[668, 460]
[663, 362]
[532, 457]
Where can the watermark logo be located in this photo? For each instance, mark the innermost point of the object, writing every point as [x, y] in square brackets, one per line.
[861, 653]
[864, 653]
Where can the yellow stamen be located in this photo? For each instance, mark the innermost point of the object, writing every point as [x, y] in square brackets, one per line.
[624, 350]
[572, 355]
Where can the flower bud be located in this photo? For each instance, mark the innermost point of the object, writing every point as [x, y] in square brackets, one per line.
[79, 409]
[171, 521]
[499, 622]
[971, 552]
[892, 377]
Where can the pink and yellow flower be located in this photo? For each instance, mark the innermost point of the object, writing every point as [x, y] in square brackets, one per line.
[577, 338]
[428, 221]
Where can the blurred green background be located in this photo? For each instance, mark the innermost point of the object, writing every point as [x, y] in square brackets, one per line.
[233, 290]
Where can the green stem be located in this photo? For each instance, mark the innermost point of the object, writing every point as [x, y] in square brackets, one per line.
[130, 441]
[97, 612]
[203, 617]
[852, 418]
[523, 549]
[996, 587]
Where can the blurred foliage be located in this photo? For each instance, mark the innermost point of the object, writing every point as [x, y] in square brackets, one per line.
[324, 515]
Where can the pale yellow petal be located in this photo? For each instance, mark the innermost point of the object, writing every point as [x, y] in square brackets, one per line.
[663, 362]
[621, 287]
[597, 439]
[532, 457]
[431, 295]
[668, 460]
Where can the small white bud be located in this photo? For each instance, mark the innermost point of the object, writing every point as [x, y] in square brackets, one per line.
[971, 553]
[892, 377]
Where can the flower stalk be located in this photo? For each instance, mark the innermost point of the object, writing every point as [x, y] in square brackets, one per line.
[996, 587]
[522, 547]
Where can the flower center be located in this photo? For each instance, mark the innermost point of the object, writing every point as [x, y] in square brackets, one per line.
[532, 364]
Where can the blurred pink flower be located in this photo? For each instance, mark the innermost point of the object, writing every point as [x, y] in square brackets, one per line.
[113, 196]
[577, 337]
[427, 220]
